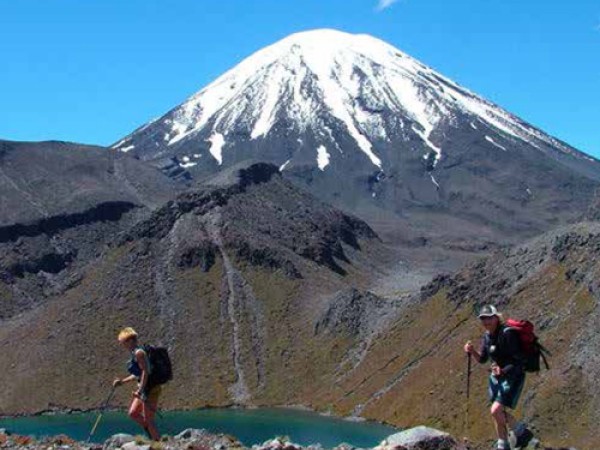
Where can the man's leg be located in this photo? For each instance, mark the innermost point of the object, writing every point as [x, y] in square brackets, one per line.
[516, 425]
[511, 422]
[499, 416]
[511, 392]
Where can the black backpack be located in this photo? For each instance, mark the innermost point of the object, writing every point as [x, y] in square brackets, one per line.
[161, 370]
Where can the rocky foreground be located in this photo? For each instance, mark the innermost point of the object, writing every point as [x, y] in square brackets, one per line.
[419, 438]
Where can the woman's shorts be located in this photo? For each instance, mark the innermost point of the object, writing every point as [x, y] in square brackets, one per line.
[154, 394]
[506, 390]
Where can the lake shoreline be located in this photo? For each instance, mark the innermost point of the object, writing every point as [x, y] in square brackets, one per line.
[252, 425]
[67, 411]
[201, 439]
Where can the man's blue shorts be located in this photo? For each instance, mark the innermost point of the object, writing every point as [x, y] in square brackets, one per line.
[506, 390]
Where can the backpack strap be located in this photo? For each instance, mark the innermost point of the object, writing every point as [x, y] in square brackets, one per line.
[543, 349]
[543, 352]
[506, 328]
[146, 350]
[545, 360]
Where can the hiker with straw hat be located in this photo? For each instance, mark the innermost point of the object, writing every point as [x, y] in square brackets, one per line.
[501, 345]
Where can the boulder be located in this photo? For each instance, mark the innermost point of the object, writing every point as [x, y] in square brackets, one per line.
[191, 433]
[420, 438]
[344, 446]
[61, 440]
[22, 440]
[135, 446]
[278, 443]
[117, 441]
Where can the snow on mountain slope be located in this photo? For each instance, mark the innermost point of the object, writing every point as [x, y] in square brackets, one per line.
[315, 78]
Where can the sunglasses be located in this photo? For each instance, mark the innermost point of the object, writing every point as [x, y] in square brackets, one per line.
[484, 318]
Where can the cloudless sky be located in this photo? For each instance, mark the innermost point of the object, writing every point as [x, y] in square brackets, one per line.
[93, 70]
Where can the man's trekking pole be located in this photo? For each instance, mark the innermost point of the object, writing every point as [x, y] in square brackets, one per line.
[468, 391]
[102, 409]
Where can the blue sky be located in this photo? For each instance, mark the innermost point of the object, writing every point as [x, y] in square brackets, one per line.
[93, 70]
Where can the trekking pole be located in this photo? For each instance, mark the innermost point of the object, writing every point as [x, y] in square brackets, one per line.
[102, 409]
[468, 391]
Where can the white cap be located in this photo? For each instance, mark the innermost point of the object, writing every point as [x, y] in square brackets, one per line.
[488, 311]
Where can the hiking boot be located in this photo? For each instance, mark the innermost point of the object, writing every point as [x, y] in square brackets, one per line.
[512, 439]
[524, 438]
[506, 446]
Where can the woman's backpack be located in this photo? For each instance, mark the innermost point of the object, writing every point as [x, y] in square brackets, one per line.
[533, 351]
[161, 370]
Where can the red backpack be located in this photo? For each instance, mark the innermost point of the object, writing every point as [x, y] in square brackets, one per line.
[532, 349]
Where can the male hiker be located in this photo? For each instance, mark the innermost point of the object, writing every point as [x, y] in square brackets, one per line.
[145, 398]
[502, 346]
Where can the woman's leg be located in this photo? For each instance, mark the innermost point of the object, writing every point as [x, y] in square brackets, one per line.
[150, 411]
[136, 412]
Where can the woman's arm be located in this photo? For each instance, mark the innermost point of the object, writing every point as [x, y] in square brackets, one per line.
[140, 357]
[127, 379]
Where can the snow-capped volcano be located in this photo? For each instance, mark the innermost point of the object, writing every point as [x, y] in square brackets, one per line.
[357, 120]
[312, 80]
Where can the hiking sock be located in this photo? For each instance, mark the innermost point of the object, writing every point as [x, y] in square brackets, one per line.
[503, 445]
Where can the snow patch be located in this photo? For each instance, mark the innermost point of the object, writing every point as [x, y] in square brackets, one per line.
[217, 141]
[491, 141]
[127, 149]
[284, 165]
[434, 181]
[268, 103]
[322, 157]
[179, 131]
[187, 165]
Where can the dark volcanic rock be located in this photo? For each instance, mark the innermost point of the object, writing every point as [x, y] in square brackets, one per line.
[50, 226]
[354, 312]
[202, 255]
[263, 218]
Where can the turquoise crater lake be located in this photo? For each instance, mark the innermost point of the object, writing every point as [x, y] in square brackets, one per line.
[251, 426]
